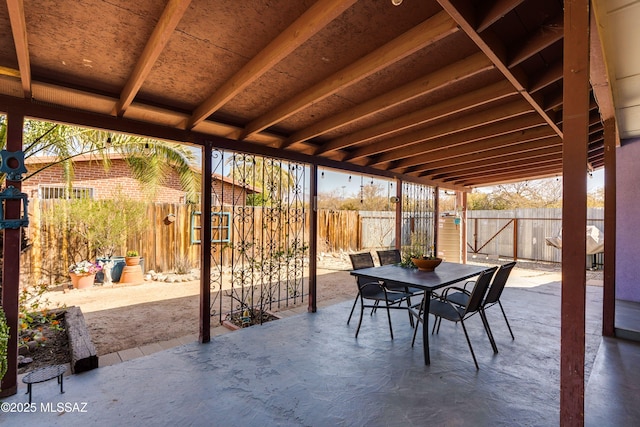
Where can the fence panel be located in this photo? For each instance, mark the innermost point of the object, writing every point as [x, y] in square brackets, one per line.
[491, 233]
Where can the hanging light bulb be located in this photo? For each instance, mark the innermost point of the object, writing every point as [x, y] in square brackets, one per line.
[396, 2]
[349, 178]
[322, 175]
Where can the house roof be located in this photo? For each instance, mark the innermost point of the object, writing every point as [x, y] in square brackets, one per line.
[45, 160]
[455, 93]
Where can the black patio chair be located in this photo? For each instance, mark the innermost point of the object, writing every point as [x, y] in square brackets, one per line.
[376, 292]
[493, 295]
[442, 308]
[392, 256]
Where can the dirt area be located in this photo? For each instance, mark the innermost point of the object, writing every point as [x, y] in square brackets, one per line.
[122, 317]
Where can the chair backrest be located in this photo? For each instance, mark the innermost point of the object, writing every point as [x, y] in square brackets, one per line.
[479, 290]
[499, 282]
[390, 256]
[359, 261]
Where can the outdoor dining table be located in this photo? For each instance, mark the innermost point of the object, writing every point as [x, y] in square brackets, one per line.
[446, 274]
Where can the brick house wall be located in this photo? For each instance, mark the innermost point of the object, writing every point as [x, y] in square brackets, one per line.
[105, 184]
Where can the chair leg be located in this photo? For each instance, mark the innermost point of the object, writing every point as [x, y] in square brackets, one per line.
[389, 317]
[355, 301]
[415, 330]
[487, 329]
[409, 312]
[505, 319]
[469, 342]
[361, 314]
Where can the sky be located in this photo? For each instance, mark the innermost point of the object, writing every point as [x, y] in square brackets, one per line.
[333, 180]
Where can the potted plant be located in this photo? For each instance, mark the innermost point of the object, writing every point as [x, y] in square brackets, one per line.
[132, 257]
[420, 254]
[83, 273]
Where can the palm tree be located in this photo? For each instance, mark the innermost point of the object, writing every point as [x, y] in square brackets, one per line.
[149, 160]
[269, 175]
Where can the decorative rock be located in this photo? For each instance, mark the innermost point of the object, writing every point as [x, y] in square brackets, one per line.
[24, 361]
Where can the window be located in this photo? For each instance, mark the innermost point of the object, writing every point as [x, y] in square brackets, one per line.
[220, 227]
[61, 192]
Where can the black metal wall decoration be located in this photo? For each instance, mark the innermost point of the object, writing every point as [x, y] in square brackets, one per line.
[12, 193]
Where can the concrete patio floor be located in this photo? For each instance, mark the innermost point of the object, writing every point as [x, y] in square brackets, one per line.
[309, 370]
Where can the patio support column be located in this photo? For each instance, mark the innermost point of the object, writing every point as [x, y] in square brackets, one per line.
[205, 249]
[398, 207]
[574, 210]
[313, 239]
[436, 218]
[609, 291]
[11, 262]
[463, 224]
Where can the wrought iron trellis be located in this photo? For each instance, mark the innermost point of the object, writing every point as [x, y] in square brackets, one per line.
[418, 216]
[263, 264]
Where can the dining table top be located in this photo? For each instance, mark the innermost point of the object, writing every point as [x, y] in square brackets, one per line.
[447, 273]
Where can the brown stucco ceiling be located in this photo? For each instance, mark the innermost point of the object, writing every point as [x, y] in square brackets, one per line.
[458, 93]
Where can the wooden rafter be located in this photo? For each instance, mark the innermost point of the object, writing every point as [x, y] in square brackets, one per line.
[19, 31]
[167, 23]
[310, 23]
[549, 34]
[405, 145]
[431, 113]
[443, 77]
[495, 50]
[494, 12]
[427, 33]
[450, 153]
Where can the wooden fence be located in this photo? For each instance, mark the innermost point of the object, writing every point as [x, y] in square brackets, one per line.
[168, 242]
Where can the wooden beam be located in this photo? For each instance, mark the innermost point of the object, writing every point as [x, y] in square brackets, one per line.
[520, 130]
[427, 33]
[548, 34]
[533, 172]
[574, 211]
[431, 113]
[495, 11]
[487, 159]
[173, 12]
[19, 31]
[599, 75]
[444, 77]
[411, 144]
[609, 285]
[495, 52]
[309, 24]
[552, 75]
[505, 165]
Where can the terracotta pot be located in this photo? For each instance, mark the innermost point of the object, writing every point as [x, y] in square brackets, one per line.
[426, 264]
[132, 260]
[82, 281]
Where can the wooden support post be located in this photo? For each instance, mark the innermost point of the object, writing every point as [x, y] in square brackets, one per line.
[205, 247]
[436, 219]
[398, 208]
[313, 240]
[515, 239]
[463, 220]
[11, 262]
[574, 210]
[609, 285]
